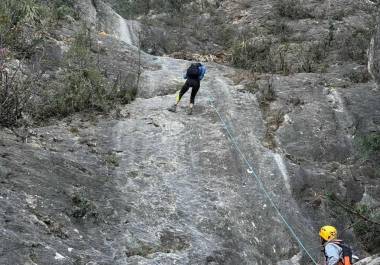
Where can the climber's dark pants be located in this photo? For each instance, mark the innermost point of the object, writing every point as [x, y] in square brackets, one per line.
[195, 84]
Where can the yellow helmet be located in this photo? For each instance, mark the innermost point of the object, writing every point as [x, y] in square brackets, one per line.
[328, 232]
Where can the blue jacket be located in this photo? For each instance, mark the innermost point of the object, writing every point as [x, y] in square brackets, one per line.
[202, 71]
[333, 253]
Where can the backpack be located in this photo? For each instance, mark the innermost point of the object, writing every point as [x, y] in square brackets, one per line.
[193, 71]
[346, 252]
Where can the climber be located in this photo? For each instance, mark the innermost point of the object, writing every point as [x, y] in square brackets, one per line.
[194, 75]
[336, 253]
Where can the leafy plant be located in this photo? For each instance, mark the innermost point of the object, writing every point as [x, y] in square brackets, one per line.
[354, 45]
[364, 220]
[83, 86]
[133, 8]
[82, 208]
[268, 92]
[23, 23]
[16, 91]
[252, 54]
[64, 8]
[112, 159]
[291, 9]
[251, 87]
[369, 144]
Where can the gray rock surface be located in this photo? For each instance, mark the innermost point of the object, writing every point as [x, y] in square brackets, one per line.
[374, 55]
[370, 261]
[180, 193]
[147, 186]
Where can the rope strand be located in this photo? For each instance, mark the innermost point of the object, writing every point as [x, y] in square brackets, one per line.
[258, 179]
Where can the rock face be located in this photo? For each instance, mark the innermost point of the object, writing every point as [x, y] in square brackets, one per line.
[199, 190]
[147, 186]
[180, 193]
[369, 261]
[100, 17]
[374, 56]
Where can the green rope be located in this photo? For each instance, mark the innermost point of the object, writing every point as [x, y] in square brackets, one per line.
[261, 184]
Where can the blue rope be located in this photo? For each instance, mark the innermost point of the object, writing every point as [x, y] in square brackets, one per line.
[261, 184]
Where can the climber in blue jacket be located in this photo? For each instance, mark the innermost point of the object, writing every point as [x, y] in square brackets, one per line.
[194, 74]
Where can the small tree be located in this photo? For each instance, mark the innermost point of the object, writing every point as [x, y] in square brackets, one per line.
[16, 91]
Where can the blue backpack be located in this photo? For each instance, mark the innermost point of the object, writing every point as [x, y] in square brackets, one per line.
[193, 71]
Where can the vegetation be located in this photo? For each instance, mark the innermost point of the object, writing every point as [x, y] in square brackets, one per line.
[252, 54]
[24, 23]
[63, 8]
[171, 31]
[369, 145]
[359, 75]
[14, 92]
[82, 208]
[364, 220]
[354, 45]
[81, 85]
[251, 87]
[368, 231]
[268, 92]
[133, 8]
[269, 56]
[21, 23]
[112, 159]
[23, 26]
[84, 86]
[292, 9]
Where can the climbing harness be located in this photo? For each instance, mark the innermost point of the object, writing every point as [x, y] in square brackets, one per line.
[251, 171]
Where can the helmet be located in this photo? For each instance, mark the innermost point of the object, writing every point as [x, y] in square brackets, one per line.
[328, 232]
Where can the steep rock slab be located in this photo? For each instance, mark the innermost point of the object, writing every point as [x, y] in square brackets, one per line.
[374, 54]
[183, 179]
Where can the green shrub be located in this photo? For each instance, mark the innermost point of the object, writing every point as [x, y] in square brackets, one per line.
[82, 85]
[63, 11]
[127, 94]
[364, 220]
[84, 89]
[62, 8]
[261, 55]
[369, 144]
[83, 209]
[267, 94]
[252, 54]
[278, 61]
[133, 8]
[74, 130]
[14, 97]
[354, 45]
[360, 75]
[251, 87]
[112, 159]
[312, 55]
[16, 91]
[124, 88]
[292, 9]
[280, 29]
[367, 231]
[21, 24]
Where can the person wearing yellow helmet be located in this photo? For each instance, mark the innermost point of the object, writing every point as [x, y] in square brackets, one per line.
[336, 253]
